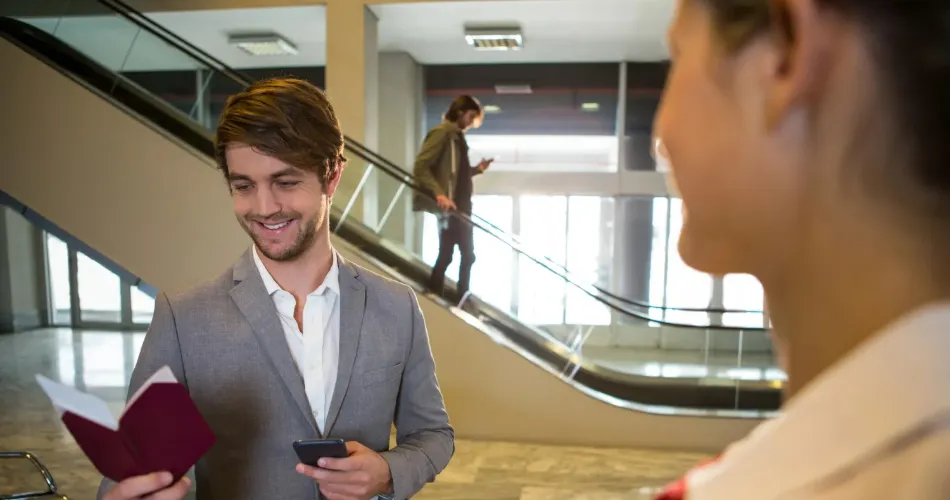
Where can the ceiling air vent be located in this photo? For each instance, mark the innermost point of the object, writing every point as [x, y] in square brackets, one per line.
[494, 38]
[263, 44]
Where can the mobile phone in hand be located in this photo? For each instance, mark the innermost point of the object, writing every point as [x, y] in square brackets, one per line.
[310, 451]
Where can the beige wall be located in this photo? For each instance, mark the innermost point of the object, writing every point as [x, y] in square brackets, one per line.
[163, 213]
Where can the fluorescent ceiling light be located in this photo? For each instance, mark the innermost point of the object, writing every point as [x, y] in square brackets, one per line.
[491, 108]
[494, 38]
[263, 44]
[513, 89]
[590, 106]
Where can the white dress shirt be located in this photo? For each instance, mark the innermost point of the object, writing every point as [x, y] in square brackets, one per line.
[874, 426]
[316, 349]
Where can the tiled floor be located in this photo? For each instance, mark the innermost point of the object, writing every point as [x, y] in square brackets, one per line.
[100, 363]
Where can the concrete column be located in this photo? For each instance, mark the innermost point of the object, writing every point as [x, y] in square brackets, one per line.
[716, 301]
[352, 84]
[633, 247]
[401, 92]
[22, 274]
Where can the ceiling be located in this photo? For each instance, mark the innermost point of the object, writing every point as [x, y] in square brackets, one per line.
[432, 32]
[554, 30]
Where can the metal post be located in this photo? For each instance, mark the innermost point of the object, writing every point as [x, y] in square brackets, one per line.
[356, 194]
[392, 204]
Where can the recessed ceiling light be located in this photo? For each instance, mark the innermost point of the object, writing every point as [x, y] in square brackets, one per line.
[491, 109]
[263, 44]
[513, 89]
[590, 106]
[494, 38]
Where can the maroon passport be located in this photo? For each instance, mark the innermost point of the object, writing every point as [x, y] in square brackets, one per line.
[159, 430]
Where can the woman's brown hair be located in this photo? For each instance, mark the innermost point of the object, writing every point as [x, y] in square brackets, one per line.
[286, 118]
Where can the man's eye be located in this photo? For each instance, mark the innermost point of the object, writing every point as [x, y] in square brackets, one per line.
[241, 187]
[288, 184]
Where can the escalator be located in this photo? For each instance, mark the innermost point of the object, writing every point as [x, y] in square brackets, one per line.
[148, 202]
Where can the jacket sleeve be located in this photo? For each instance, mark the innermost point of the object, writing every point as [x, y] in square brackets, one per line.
[161, 347]
[432, 148]
[424, 439]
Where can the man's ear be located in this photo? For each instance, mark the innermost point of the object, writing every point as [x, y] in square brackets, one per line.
[336, 173]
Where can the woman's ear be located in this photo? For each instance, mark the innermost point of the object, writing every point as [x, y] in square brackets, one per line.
[801, 42]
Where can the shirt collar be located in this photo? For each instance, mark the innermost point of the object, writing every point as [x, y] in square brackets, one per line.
[888, 387]
[331, 281]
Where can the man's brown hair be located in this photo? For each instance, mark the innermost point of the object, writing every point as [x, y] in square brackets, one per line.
[285, 118]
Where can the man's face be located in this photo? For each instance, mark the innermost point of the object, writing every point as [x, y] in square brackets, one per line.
[471, 119]
[281, 207]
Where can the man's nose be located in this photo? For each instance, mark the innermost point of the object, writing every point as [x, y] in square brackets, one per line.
[265, 203]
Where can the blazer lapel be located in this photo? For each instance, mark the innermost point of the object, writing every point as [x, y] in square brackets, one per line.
[258, 308]
[352, 306]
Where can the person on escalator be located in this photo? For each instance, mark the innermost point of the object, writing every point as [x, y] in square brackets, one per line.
[444, 177]
[808, 141]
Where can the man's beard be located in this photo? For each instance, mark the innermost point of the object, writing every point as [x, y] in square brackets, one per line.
[306, 236]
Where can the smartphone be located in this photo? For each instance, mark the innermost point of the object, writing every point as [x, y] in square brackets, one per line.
[309, 451]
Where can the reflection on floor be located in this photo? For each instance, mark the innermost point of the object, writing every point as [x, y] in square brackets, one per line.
[101, 362]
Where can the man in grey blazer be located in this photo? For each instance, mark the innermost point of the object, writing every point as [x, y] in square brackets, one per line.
[293, 342]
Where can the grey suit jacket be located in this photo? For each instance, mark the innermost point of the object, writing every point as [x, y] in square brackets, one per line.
[224, 341]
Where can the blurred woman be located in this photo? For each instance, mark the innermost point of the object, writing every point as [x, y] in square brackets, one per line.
[809, 142]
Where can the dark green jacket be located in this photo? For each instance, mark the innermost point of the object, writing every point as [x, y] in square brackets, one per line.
[436, 167]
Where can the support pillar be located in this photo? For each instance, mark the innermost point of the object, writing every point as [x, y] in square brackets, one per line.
[352, 84]
[22, 274]
[633, 247]
[400, 113]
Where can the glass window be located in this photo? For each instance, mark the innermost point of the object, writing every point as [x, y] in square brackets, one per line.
[493, 274]
[142, 306]
[491, 253]
[137, 340]
[543, 221]
[584, 260]
[743, 291]
[685, 286]
[659, 255]
[57, 259]
[545, 153]
[100, 294]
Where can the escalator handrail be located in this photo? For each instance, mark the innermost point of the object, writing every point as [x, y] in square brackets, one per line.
[388, 169]
[144, 22]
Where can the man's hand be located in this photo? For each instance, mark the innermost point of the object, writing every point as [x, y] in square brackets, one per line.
[445, 203]
[484, 164]
[361, 476]
[155, 486]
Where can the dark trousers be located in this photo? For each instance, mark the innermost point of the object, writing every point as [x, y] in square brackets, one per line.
[455, 232]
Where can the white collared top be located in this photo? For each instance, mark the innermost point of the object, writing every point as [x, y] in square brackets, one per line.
[316, 350]
[874, 426]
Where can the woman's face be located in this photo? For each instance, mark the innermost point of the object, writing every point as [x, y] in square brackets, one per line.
[734, 165]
